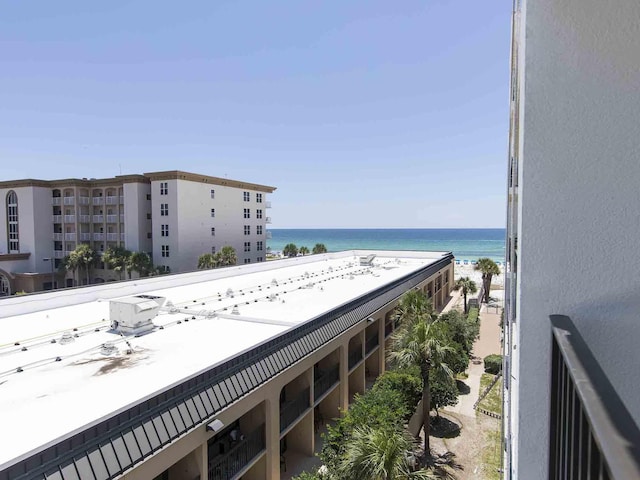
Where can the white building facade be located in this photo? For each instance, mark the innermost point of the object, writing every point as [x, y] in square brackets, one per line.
[41, 222]
[573, 230]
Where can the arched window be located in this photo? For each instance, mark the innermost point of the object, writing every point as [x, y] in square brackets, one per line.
[12, 221]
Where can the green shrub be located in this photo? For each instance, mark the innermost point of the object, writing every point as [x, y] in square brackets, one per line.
[493, 364]
[409, 386]
[472, 316]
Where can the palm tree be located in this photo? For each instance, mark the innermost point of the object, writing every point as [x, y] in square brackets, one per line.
[419, 342]
[303, 250]
[68, 264]
[380, 454]
[489, 268]
[207, 261]
[140, 262]
[290, 250]
[319, 248]
[84, 257]
[467, 286]
[227, 256]
[414, 304]
[117, 258]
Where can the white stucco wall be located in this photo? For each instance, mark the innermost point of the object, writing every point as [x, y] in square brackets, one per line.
[136, 224]
[579, 210]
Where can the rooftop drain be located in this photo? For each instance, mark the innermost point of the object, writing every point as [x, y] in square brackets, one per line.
[229, 292]
[66, 338]
[274, 282]
[108, 349]
[235, 310]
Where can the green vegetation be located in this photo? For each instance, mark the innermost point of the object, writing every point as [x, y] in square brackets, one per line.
[467, 286]
[493, 401]
[303, 251]
[489, 268]
[224, 258]
[319, 248]
[141, 263]
[492, 456]
[493, 364]
[290, 250]
[117, 258]
[473, 314]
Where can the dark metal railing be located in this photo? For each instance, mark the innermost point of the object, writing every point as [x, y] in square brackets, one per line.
[355, 357]
[371, 343]
[388, 328]
[592, 434]
[326, 379]
[291, 410]
[224, 467]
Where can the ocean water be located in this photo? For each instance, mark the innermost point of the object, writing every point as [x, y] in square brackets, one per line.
[465, 243]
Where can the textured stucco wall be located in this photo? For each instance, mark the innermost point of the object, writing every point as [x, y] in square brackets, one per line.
[580, 199]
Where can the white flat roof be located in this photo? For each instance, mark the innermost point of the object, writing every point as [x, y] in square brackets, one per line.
[63, 386]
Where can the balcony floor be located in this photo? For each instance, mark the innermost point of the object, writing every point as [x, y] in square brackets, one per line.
[298, 463]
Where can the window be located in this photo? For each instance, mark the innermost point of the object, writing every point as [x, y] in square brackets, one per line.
[247, 260]
[247, 246]
[213, 193]
[149, 235]
[148, 216]
[247, 229]
[258, 213]
[213, 231]
[164, 188]
[148, 196]
[259, 229]
[247, 196]
[164, 209]
[165, 250]
[213, 212]
[213, 250]
[247, 213]
[259, 246]
[258, 198]
[12, 222]
[259, 259]
[164, 230]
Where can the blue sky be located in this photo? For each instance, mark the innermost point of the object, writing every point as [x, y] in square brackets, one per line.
[363, 113]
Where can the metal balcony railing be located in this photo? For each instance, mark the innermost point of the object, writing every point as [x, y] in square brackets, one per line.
[84, 237]
[388, 329]
[112, 200]
[98, 200]
[325, 380]
[355, 357]
[371, 343]
[84, 200]
[226, 466]
[98, 219]
[70, 237]
[268, 235]
[69, 219]
[58, 236]
[58, 254]
[292, 409]
[267, 220]
[69, 200]
[57, 219]
[592, 434]
[85, 218]
[56, 200]
[98, 236]
[113, 237]
[112, 218]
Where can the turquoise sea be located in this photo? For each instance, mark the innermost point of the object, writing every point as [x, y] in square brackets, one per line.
[465, 243]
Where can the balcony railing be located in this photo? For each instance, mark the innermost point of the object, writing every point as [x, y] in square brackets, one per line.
[112, 200]
[226, 466]
[355, 357]
[267, 220]
[268, 235]
[84, 218]
[70, 237]
[371, 343]
[121, 198]
[121, 218]
[69, 219]
[592, 434]
[388, 329]
[98, 236]
[58, 236]
[98, 219]
[85, 237]
[57, 219]
[56, 201]
[122, 237]
[69, 200]
[58, 254]
[98, 200]
[292, 409]
[84, 200]
[112, 218]
[267, 204]
[113, 237]
[325, 380]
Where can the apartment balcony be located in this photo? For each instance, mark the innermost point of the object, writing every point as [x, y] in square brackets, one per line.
[592, 434]
[355, 357]
[267, 204]
[113, 237]
[70, 237]
[388, 329]
[99, 237]
[84, 218]
[291, 410]
[112, 218]
[58, 254]
[56, 200]
[371, 344]
[58, 237]
[84, 200]
[69, 200]
[98, 200]
[268, 235]
[239, 456]
[121, 218]
[85, 237]
[67, 252]
[98, 219]
[267, 220]
[324, 381]
[121, 198]
[112, 200]
[69, 219]
[57, 218]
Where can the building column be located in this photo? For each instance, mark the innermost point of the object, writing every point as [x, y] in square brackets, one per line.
[203, 460]
[382, 353]
[343, 402]
[272, 437]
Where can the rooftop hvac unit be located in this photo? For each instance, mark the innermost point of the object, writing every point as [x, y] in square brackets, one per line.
[134, 315]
